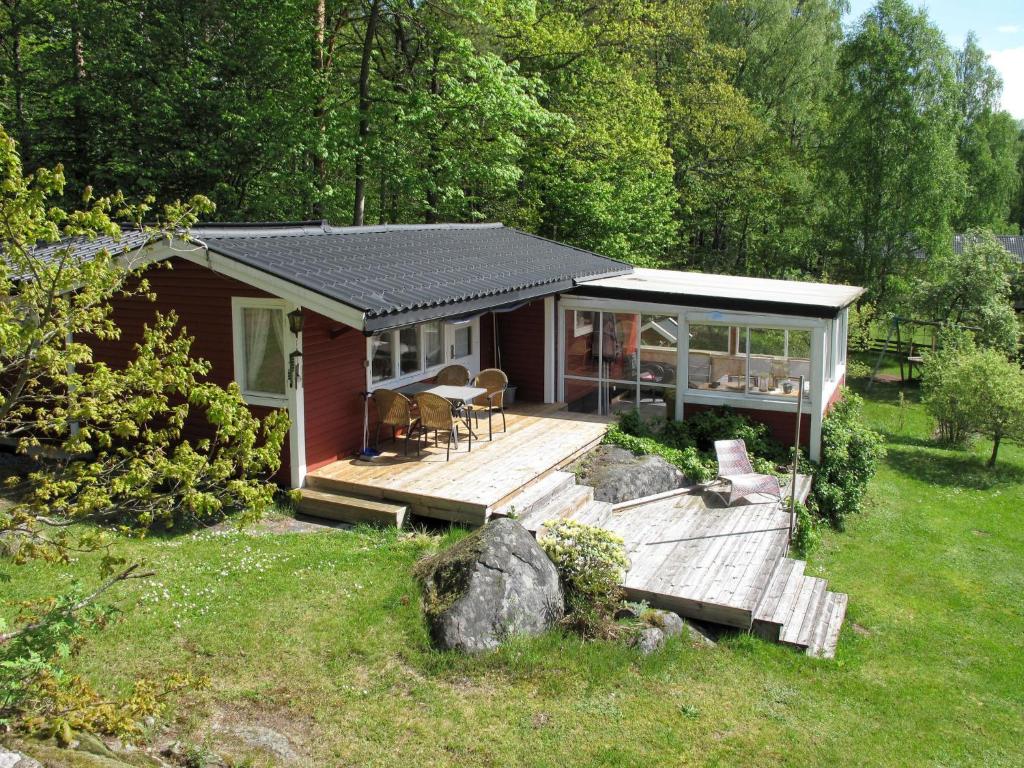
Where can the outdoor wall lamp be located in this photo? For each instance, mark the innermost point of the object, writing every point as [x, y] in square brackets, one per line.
[295, 323]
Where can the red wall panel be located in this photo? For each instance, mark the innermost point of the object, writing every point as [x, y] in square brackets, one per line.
[334, 376]
[202, 300]
[521, 342]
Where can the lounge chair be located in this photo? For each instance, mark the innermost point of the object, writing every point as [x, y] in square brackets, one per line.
[734, 468]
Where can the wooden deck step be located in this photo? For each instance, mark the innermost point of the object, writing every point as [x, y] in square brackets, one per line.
[778, 600]
[564, 504]
[797, 631]
[536, 494]
[826, 635]
[351, 509]
[806, 608]
[596, 513]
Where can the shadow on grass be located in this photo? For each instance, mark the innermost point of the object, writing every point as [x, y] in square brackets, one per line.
[960, 470]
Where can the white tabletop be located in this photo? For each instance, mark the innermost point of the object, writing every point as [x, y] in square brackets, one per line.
[452, 392]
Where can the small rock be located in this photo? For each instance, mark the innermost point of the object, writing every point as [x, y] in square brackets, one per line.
[94, 745]
[266, 739]
[12, 759]
[626, 612]
[699, 634]
[668, 622]
[648, 640]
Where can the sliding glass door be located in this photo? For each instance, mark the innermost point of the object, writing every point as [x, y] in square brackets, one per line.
[620, 361]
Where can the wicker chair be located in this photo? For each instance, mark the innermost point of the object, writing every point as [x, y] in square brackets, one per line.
[395, 410]
[436, 414]
[495, 382]
[455, 375]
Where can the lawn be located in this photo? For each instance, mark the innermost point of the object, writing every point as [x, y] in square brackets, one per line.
[319, 635]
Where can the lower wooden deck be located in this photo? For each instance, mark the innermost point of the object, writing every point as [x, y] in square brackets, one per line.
[466, 488]
[691, 554]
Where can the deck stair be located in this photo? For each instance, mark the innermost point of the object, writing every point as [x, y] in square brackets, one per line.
[555, 497]
[347, 508]
[799, 611]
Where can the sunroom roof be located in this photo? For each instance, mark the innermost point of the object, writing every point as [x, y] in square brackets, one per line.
[748, 294]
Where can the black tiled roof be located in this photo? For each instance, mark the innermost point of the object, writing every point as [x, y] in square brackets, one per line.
[1013, 243]
[86, 247]
[407, 273]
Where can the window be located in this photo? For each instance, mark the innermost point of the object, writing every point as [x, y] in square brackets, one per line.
[409, 350]
[259, 349]
[760, 361]
[433, 343]
[416, 351]
[462, 341]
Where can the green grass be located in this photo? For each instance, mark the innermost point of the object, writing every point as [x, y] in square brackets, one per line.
[320, 636]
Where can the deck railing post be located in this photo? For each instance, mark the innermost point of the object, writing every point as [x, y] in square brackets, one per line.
[796, 457]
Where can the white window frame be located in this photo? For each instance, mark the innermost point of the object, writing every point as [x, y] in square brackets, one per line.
[471, 361]
[238, 305]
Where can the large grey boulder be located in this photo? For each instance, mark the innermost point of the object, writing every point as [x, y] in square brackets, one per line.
[618, 475]
[494, 583]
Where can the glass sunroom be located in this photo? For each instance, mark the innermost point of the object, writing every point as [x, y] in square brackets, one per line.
[668, 342]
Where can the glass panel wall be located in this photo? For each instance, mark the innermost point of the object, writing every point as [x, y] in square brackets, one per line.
[751, 360]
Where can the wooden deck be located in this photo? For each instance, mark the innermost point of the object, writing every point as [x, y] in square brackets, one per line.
[691, 554]
[468, 487]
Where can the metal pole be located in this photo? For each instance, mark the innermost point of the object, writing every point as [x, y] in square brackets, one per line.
[796, 457]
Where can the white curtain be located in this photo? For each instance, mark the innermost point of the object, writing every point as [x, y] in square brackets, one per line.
[264, 350]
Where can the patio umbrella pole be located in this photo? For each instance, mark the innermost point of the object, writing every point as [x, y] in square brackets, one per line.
[796, 457]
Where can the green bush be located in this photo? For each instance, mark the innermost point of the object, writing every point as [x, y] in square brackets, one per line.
[592, 564]
[805, 531]
[971, 390]
[690, 445]
[850, 452]
[687, 460]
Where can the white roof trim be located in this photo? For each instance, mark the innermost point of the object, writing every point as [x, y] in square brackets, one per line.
[793, 292]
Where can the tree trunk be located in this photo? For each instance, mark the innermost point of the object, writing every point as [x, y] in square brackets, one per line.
[359, 208]
[317, 159]
[18, 78]
[996, 437]
[430, 215]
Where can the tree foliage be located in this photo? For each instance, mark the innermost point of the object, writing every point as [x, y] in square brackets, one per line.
[752, 136]
[973, 286]
[972, 390]
[896, 175]
[110, 444]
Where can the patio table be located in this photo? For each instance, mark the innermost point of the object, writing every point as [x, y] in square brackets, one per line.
[455, 395]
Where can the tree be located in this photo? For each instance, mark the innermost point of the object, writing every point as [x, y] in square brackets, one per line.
[769, 219]
[895, 174]
[110, 443]
[988, 145]
[971, 390]
[973, 287]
